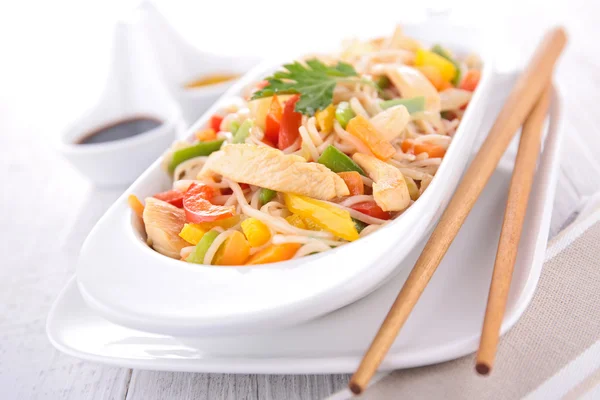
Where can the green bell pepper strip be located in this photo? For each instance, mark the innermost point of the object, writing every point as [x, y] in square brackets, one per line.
[197, 255]
[383, 82]
[359, 225]
[266, 195]
[197, 150]
[234, 126]
[337, 161]
[413, 105]
[440, 51]
[243, 132]
[343, 113]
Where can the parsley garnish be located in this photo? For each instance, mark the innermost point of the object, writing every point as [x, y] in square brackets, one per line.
[314, 82]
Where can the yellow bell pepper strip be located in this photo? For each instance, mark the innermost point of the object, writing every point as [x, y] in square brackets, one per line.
[197, 255]
[274, 253]
[256, 232]
[136, 205]
[192, 233]
[446, 68]
[296, 220]
[439, 50]
[324, 215]
[197, 150]
[337, 161]
[435, 77]
[311, 224]
[325, 119]
[360, 127]
[413, 104]
[234, 251]
[225, 223]
[343, 113]
[206, 135]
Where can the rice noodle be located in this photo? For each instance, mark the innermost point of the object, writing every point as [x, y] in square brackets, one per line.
[366, 181]
[369, 229]
[358, 108]
[189, 168]
[357, 143]
[280, 239]
[306, 141]
[186, 251]
[358, 215]
[315, 246]
[350, 201]
[311, 128]
[275, 223]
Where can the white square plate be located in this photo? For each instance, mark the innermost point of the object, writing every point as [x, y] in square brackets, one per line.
[444, 325]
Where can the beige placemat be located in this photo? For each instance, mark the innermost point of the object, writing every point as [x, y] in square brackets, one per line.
[553, 351]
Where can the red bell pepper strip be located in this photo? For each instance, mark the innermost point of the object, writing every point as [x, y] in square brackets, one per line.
[215, 122]
[273, 120]
[371, 209]
[471, 80]
[198, 208]
[290, 122]
[174, 197]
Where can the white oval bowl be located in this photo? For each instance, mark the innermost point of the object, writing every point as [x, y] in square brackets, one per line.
[131, 284]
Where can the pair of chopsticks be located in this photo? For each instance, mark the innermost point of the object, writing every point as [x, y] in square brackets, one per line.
[526, 105]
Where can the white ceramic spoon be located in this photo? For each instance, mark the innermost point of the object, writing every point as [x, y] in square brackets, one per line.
[133, 88]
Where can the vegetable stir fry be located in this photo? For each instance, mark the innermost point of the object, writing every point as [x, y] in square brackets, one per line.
[323, 152]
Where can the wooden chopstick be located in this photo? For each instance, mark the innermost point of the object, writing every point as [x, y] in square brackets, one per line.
[514, 216]
[523, 96]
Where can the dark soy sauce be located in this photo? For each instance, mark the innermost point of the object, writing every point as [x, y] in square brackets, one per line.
[118, 130]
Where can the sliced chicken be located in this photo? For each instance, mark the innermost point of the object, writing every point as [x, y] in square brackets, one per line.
[272, 169]
[412, 83]
[391, 122]
[389, 187]
[163, 223]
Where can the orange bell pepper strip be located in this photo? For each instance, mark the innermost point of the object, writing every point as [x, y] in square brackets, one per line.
[361, 128]
[354, 182]
[274, 253]
[409, 146]
[234, 251]
[471, 80]
[136, 205]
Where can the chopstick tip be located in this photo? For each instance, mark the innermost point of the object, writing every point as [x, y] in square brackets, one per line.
[355, 387]
[482, 369]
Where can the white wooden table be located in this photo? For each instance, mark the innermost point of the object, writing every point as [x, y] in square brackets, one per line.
[49, 70]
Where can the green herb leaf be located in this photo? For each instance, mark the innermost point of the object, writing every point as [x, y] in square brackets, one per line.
[314, 82]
